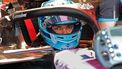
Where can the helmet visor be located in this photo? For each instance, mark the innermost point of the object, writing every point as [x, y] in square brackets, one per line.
[62, 24]
[64, 28]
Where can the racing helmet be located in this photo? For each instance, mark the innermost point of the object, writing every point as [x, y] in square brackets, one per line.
[52, 30]
[55, 39]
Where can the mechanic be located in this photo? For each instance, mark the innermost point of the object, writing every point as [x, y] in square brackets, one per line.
[108, 13]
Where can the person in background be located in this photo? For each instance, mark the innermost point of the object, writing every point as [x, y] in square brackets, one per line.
[108, 13]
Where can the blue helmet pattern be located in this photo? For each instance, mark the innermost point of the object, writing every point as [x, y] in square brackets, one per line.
[61, 41]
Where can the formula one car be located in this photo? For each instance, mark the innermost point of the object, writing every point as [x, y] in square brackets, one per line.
[24, 24]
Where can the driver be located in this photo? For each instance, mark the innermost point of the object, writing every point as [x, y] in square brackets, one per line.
[61, 32]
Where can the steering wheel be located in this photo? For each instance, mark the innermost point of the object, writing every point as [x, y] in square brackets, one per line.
[107, 46]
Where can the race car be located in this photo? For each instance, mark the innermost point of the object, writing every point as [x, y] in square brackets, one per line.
[26, 26]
